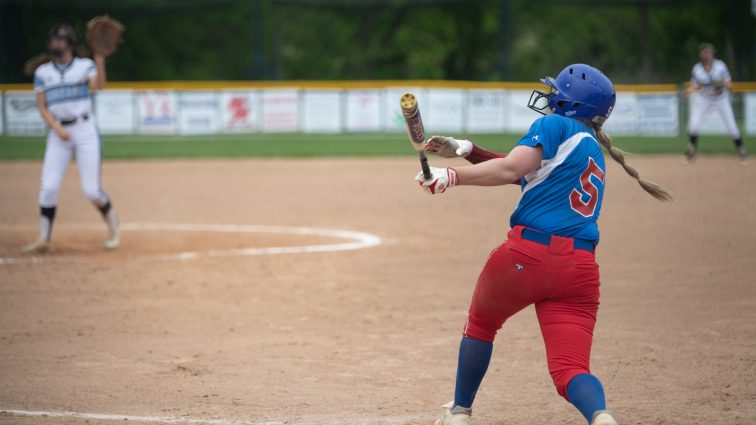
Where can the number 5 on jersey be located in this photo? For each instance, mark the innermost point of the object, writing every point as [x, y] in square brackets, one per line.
[588, 207]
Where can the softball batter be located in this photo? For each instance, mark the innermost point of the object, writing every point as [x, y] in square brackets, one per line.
[711, 79]
[548, 259]
[63, 88]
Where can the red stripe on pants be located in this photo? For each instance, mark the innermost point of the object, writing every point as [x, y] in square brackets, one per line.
[562, 282]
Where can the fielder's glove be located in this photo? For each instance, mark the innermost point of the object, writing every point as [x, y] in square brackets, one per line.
[441, 179]
[104, 34]
[448, 147]
[719, 86]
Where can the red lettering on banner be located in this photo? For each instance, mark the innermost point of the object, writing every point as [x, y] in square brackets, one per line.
[239, 111]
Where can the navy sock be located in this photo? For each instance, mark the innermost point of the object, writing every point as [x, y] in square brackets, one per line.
[105, 208]
[586, 393]
[474, 356]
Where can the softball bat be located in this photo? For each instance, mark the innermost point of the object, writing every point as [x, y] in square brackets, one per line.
[415, 129]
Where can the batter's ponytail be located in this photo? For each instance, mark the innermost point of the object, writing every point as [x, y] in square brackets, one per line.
[618, 155]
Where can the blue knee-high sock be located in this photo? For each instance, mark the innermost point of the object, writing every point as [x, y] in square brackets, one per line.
[586, 393]
[474, 356]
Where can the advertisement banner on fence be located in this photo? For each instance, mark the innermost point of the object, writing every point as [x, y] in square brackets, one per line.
[156, 111]
[519, 116]
[321, 111]
[363, 110]
[486, 112]
[280, 110]
[392, 117]
[624, 117]
[658, 114]
[21, 114]
[240, 110]
[749, 106]
[115, 111]
[198, 113]
[443, 111]
[2, 113]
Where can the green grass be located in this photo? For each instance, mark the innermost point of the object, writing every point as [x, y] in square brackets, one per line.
[316, 145]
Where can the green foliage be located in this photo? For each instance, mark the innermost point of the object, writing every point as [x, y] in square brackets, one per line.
[633, 41]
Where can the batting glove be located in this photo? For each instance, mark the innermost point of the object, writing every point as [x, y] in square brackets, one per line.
[441, 179]
[448, 147]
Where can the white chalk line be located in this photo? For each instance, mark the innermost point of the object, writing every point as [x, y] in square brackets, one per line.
[148, 419]
[196, 421]
[359, 240]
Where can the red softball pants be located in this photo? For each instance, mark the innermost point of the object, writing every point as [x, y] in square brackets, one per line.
[561, 281]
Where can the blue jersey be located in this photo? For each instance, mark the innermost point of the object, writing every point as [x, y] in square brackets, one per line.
[562, 197]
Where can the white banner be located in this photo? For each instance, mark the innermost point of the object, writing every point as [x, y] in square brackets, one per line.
[658, 114]
[519, 116]
[749, 106]
[2, 113]
[115, 111]
[363, 110]
[443, 111]
[486, 111]
[157, 111]
[624, 117]
[240, 110]
[392, 112]
[21, 113]
[280, 110]
[321, 111]
[198, 113]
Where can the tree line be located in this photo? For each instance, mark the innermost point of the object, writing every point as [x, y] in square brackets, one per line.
[633, 41]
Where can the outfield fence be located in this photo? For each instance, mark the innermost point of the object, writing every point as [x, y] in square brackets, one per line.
[454, 107]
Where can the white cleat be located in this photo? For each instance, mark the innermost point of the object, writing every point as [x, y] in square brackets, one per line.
[40, 246]
[457, 416]
[114, 232]
[602, 417]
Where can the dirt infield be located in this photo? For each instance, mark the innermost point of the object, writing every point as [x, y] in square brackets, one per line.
[369, 335]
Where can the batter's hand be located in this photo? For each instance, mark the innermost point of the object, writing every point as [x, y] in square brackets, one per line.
[441, 179]
[63, 133]
[448, 147]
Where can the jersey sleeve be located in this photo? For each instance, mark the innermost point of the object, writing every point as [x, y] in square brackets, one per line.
[693, 79]
[39, 82]
[91, 68]
[725, 72]
[548, 132]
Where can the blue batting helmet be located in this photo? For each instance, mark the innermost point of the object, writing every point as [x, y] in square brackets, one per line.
[579, 91]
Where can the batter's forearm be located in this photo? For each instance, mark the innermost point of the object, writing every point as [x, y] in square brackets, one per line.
[478, 155]
[494, 172]
[500, 171]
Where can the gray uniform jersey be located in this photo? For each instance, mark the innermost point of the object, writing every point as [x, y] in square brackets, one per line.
[710, 81]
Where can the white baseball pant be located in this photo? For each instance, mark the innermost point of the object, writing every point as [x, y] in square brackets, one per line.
[704, 105]
[86, 144]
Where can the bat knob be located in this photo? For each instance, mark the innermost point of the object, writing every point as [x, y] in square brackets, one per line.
[408, 101]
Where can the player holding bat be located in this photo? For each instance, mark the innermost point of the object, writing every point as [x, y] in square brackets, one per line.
[549, 257]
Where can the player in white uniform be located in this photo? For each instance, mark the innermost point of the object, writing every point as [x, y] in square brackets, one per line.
[711, 79]
[63, 88]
